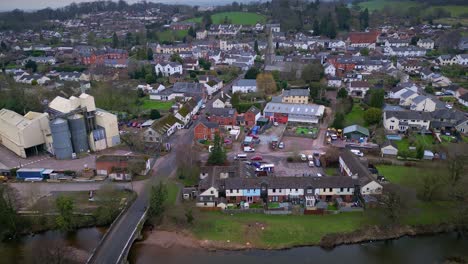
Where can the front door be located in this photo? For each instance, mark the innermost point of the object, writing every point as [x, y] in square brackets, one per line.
[250, 199]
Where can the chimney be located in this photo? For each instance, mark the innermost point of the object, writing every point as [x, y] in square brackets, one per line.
[222, 94]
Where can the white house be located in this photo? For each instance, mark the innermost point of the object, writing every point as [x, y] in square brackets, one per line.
[462, 59]
[329, 69]
[410, 51]
[463, 99]
[168, 68]
[245, 86]
[400, 121]
[406, 98]
[336, 44]
[334, 82]
[358, 88]
[446, 60]
[423, 103]
[425, 44]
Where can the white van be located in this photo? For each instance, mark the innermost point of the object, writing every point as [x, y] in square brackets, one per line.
[241, 156]
[249, 149]
[357, 152]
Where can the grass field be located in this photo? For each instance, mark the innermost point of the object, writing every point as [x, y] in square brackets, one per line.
[149, 104]
[407, 176]
[424, 140]
[238, 18]
[355, 117]
[455, 11]
[278, 231]
[172, 35]
[172, 192]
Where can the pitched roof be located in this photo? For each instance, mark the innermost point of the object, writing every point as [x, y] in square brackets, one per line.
[301, 109]
[415, 115]
[358, 128]
[224, 112]
[246, 82]
[363, 37]
[254, 110]
[296, 92]
[209, 124]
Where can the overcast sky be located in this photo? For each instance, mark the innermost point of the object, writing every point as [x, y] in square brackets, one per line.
[39, 4]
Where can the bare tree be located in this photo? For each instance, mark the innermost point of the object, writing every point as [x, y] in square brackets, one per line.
[55, 252]
[395, 202]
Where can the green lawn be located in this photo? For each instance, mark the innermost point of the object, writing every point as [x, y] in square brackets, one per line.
[407, 176]
[427, 141]
[172, 192]
[455, 11]
[172, 35]
[355, 117]
[278, 231]
[149, 104]
[381, 4]
[238, 18]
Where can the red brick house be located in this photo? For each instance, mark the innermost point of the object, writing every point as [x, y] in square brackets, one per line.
[99, 57]
[223, 116]
[251, 116]
[363, 39]
[205, 130]
[116, 166]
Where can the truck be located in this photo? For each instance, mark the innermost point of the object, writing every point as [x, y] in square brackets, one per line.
[30, 174]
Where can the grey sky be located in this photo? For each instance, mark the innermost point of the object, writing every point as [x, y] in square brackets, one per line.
[39, 4]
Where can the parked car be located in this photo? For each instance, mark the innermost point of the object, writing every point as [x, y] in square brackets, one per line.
[275, 124]
[333, 136]
[240, 156]
[203, 106]
[256, 158]
[249, 149]
[281, 145]
[311, 163]
[303, 157]
[310, 157]
[319, 175]
[357, 152]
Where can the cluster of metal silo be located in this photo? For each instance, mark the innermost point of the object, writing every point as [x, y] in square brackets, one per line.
[78, 133]
[69, 136]
[61, 139]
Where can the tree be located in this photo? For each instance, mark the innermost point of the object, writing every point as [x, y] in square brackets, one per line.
[154, 114]
[158, 196]
[419, 151]
[256, 47]
[251, 73]
[108, 203]
[372, 115]
[377, 98]
[175, 57]
[364, 19]
[456, 167]
[34, 82]
[191, 32]
[394, 202]
[32, 65]
[149, 54]
[312, 72]
[9, 220]
[115, 41]
[430, 186]
[364, 52]
[338, 122]
[217, 155]
[206, 20]
[266, 83]
[65, 206]
[343, 17]
[189, 216]
[342, 93]
[429, 89]
[316, 28]
[205, 64]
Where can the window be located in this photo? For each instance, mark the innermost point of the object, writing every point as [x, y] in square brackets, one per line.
[205, 204]
[330, 189]
[297, 190]
[230, 190]
[274, 190]
[324, 189]
[392, 127]
[211, 192]
[341, 189]
[309, 190]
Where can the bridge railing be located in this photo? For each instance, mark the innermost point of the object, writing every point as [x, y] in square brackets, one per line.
[123, 255]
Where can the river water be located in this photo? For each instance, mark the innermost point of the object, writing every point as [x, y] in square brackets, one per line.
[26, 249]
[420, 249]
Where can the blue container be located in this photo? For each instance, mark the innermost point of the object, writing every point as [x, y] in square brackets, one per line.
[29, 173]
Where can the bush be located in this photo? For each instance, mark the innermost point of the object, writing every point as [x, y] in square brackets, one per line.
[289, 159]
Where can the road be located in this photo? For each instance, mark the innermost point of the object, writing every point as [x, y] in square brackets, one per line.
[118, 237]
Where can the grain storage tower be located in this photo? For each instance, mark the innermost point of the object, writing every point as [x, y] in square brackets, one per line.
[61, 139]
[79, 136]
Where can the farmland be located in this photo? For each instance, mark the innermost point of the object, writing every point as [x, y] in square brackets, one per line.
[237, 18]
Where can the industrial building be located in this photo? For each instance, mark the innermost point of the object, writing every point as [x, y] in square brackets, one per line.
[78, 126]
[70, 126]
[25, 135]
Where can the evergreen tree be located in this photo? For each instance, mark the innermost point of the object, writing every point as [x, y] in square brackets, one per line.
[256, 47]
[217, 155]
[115, 41]
[342, 93]
[191, 32]
[65, 208]
[316, 28]
[149, 53]
[158, 196]
[364, 19]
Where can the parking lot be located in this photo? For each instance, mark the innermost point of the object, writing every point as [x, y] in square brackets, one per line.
[268, 136]
[11, 160]
[292, 169]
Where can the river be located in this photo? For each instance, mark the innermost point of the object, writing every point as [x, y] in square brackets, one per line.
[420, 249]
[28, 248]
